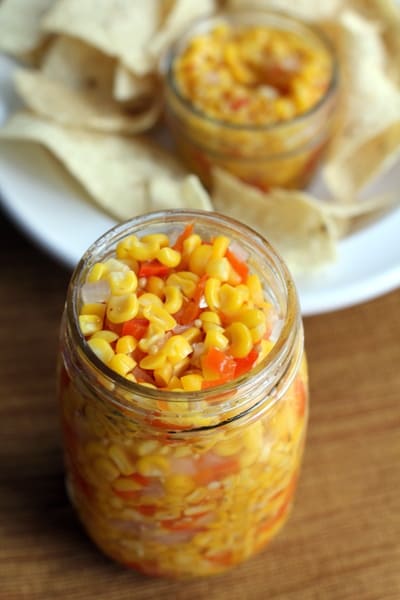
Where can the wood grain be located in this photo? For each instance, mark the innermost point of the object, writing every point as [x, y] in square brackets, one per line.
[343, 539]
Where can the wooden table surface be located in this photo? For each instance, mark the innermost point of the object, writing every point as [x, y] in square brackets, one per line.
[342, 541]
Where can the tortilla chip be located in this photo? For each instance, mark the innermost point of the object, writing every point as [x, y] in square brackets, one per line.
[20, 32]
[116, 171]
[128, 87]
[79, 66]
[85, 109]
[120, 28]
[167, 193]
[292, 221]
[386, 15]
[181, 13]
[368, 138]
[309, 10]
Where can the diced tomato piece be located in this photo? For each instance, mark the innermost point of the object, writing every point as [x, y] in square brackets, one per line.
[153, 267]
[218, 362]
[238, 265]
[188, 313]
[136, 327]
[243, 365]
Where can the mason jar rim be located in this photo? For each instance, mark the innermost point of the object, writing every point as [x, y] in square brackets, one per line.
[277, 357]
[231, 15]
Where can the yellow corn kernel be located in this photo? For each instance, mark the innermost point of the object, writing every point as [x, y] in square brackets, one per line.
[192, 335]
[153, 465]
[168, 257]
[94, 308]
[257, 333]
[155, 285]
[147, 447]
[173, 299]
[185, 281]
[240, 339]
[97, 272]
[114, 264]
[101, 348]
[179, 485]
[148, 299]
[142, 250]
[234, 277]
[126, 344]
[255, 288]
[124, 484]
[211, 293]
[220, 246]
[176, 348]
[219, 268]
[153, 361]
[122, 364]
[228, 447]
[191, 242]
[266, 347]
[163, 374]
[130, 377]
[89, 324]
[105, 334]
[215, 338]
[180, 367]
[122, 282]
[105, 470]
[231, 299]
[192, 382]
[157, 315]
[120, 459]
[209, 317]
[123, 247]
[151, 341]
[175, 384]
[122, 308]
[251, 317]
[159, 239]
[199, 259]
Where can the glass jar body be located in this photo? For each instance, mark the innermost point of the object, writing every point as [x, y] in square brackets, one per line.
[183, 490]
[282, 155]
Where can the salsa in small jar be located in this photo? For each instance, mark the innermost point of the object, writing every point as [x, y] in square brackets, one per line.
[183, 393]
[254, 93]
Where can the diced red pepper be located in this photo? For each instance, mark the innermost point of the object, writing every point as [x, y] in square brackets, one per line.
[238, 265]
[147, 510]
[243, 365]
[223, 559]
[153, 268]
[238, 103]
[218, 362]
[140, 479]
[136, 327]
[183, 236]
[191, 310]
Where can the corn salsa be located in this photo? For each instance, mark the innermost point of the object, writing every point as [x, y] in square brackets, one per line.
[252, 88]
[183, 489]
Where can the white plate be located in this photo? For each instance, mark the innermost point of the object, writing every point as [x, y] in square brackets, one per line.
[53, 210]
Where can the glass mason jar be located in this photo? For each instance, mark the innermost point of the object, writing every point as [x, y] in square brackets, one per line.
[184, 484]
[285, 154]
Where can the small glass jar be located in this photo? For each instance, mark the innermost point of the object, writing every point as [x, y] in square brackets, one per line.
[285, 154]
[184, 484]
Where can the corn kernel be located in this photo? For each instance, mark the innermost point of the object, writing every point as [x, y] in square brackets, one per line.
[220, 246]
[163, 374]
[173, 299]
[157, 315]
[231, 299]
[105, 334]
[148, 299]
[94, 308]
[185, 281]
[101, 348]
[153, 465]
[113, 264]
[104, 469]
[192, 382]
[255, 289]
[147, 447]
[240, 338]
[97, 272]
[192, 335]
[142, 250]
[219, 268]
[155, 285]
[126, 344]
[122, 282]
[215, 338]
[179, 485]
[89, 324]
[228, 447]
[153, 361]
[159, 239]
[118, 456]
[122, 364]
[122, 308]
[199, 259]
[169, 257]
[176, 348]
[211, 293]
